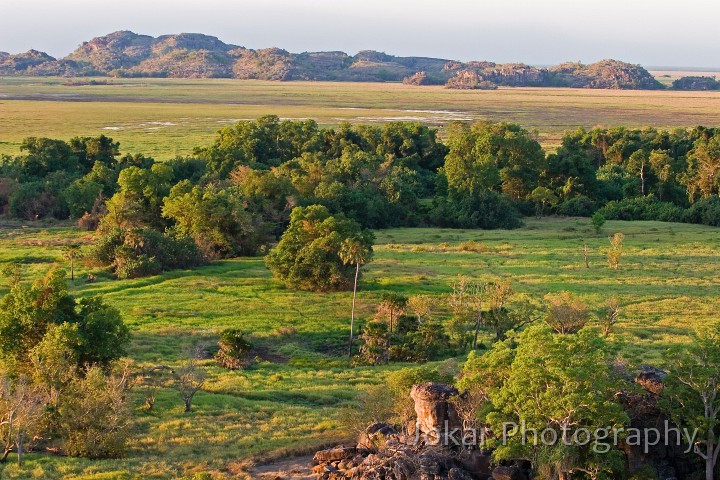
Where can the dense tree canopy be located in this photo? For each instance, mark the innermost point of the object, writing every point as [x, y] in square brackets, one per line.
[230, 195]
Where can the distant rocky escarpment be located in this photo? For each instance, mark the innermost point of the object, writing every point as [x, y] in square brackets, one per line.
[191, 55]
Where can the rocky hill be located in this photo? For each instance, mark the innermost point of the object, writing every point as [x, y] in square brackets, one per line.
[191, 55]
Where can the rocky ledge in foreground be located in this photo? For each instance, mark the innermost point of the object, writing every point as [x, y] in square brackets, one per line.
[384, 453]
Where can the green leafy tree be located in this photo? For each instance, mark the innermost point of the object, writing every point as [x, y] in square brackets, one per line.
[104, 336]
[234, 349]
[28, 313]
[139, 201]
[308, 254]
[549, 381]
[597, 220]
[702, 178]
[542, 197]
[215, 219]
[375, 349]
[692, 392]
[493, 155]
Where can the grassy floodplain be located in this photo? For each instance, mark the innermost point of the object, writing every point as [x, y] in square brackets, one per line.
[293, 399]
[168, 117]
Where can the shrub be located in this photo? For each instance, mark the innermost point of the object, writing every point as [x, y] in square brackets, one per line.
[95, 420]
[705, 211]
[473, 246]
[478, 209]
[642, 208]
[376, 347]
[139, 252]
[234, 349]
[579, 206]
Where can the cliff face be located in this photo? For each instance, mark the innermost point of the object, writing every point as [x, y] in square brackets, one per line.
[192, 55]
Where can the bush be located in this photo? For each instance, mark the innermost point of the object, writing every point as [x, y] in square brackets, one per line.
[95, 419]
[478, 209]
[642, 208]
[30, 201]
[579, 206]
[139, 252]
[598, 220]
[705, 211]
[234, 349]
[376, 345]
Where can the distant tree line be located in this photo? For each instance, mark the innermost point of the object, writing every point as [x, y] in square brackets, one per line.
[235, 197]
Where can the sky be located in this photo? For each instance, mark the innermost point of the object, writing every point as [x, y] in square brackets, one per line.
[539, 32]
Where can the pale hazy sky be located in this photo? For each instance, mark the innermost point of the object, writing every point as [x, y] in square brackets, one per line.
[650, 32]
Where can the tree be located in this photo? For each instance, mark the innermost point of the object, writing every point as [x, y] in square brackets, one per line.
[542, 197]
[422, 306]
[693, 391]
[507, 311]
[72, 253]
[139, 201]
[463, 315]
[308, 254]
[615, 251]
[376, 344]
[189, 379]
[610, 316]
[392, 306]
[353, 252]
[597, 220]
[215, 219]
[702, 177]
[103, 334]
[27, 314]
[546, 381]
[565, 313]
[234, 349]
[21, 410]
[490, 156]
[94, 416]
[138, 252]
[639, 163]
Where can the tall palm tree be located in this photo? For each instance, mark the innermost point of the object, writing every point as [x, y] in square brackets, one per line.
[353, 252]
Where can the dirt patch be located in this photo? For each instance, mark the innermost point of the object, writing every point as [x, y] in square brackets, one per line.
[294, 468]
[266, 353]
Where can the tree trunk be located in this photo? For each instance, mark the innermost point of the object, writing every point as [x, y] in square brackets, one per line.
[478, 322]
[188, 404]
[72, 269]
[587, 256]
[5, 455]
[642, 178]
[20, 450]
[352, 311]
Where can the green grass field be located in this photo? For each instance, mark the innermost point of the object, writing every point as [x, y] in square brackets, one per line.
[164, 118]
[292, 400]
